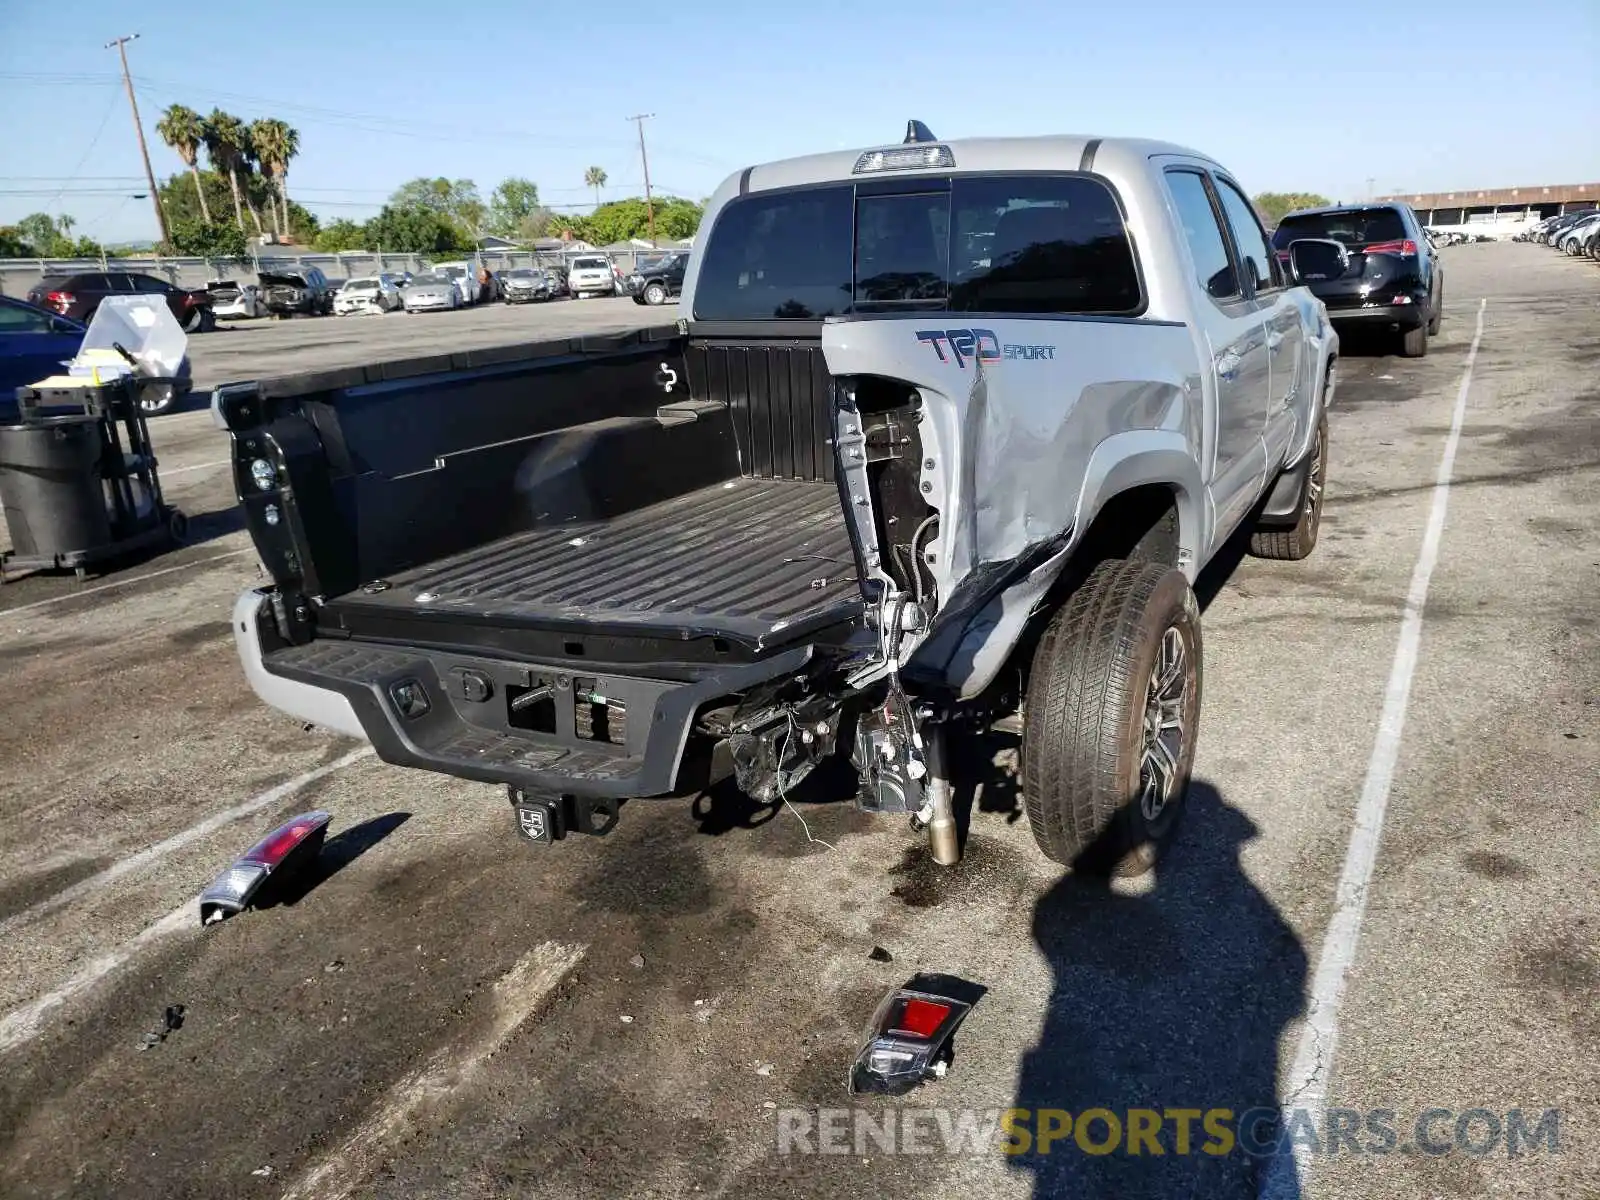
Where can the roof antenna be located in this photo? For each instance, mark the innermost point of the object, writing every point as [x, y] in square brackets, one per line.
[916, 131]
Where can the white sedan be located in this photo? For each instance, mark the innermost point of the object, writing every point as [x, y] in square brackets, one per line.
[230, 300]
[368, 294]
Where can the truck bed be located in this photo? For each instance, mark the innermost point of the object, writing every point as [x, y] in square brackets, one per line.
[757, 560]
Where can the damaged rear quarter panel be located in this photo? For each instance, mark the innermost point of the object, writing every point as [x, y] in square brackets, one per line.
[1028, 438]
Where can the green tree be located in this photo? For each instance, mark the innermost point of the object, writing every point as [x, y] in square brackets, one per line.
[413, 230]
[39, 235]
[341, 235]
[621, 220]
[513, 203]
[1274, 206]
[182, 129]
[227, 145]
[208, 239]
[564, 223]
[678, 219]
[12, 244]
[275, 144]
[595, 177]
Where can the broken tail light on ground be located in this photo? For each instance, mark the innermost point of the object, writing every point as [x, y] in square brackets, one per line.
[287, 849]
[909, 1040]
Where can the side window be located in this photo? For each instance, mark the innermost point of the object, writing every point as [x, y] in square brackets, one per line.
[1255, 256]
[1201, 230]
[1040, 244]
[21, 318]
[149, 285]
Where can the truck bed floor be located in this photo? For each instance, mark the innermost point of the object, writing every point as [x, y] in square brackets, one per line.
[750, 559]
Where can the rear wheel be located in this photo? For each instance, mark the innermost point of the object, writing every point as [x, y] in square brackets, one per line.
[1112, 708]
[1300, 540]
[1414, 342]
[1438, 312]
[655, 294]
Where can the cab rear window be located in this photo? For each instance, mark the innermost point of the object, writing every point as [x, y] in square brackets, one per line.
[989, 243]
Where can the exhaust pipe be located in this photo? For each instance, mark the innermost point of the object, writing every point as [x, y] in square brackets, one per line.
[943, 843]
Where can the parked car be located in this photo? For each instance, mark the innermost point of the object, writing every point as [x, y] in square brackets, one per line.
[231, 300]
[78, 296]
[1390, 277]
[1571, 239]
[523, 285]
[464, 275]
[429, 292]
[844, 539]
[591, 275]
[557, 275]
[368, 294]
[655, 281]
[35, 343]
[1550, 231]
[303, 291]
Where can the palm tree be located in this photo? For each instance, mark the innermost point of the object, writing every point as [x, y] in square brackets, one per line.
[275, 143]
[595, 177]
[226, 143]
[183, 130]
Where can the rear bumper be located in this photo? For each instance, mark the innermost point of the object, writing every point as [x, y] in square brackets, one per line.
[1406, 316]
[351, 686]
[301, 700]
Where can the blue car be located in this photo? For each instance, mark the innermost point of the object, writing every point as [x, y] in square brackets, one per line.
[33, 345]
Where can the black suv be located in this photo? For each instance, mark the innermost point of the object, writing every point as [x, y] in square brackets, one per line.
[658, 280]
[1391, 277]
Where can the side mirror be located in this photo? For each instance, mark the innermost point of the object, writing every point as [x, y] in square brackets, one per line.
[1312, 260]
[62, 325]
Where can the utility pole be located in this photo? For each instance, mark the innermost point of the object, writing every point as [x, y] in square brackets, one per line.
[644, 159]
[1371, 193]
[121, 44]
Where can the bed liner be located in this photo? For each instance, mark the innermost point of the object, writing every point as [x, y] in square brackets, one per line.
[760, 561]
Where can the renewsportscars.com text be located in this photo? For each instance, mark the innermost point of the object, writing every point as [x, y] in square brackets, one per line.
[1152, 1132]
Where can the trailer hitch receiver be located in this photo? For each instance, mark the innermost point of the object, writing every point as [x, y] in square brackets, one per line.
[545, 819]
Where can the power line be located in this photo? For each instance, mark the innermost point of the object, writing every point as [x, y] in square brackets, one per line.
[93, 142]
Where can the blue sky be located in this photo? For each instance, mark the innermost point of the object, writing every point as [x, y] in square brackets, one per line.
[1318, 96]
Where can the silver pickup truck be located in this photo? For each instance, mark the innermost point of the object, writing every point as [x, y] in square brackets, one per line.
[942, 437]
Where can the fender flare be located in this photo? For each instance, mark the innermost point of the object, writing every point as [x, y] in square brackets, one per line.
[968, 658]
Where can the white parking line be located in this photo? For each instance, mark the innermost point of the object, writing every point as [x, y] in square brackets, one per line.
[137, 862]
[22, 1024]
[516, 996]
[116, 583]
[221, 462]
[1306, 1087]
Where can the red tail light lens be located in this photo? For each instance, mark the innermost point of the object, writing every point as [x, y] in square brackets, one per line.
[1405, 249]
[274, 848]
[60, 301]
[919, 1018]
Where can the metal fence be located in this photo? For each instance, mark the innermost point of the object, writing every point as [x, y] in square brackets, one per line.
[18, 275]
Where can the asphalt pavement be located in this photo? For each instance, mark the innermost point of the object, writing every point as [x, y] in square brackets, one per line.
[442, 1011]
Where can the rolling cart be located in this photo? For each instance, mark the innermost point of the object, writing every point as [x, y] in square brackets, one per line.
[78, 479]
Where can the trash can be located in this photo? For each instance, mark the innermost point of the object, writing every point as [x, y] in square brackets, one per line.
[51, 490]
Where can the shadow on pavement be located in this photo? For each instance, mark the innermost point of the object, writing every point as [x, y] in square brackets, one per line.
[1167, 1000]
[338, 852]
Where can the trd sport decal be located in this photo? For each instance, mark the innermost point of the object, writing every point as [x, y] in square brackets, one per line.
[980, 344]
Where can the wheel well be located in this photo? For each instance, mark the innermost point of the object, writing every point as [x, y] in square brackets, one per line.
[1140, 523]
